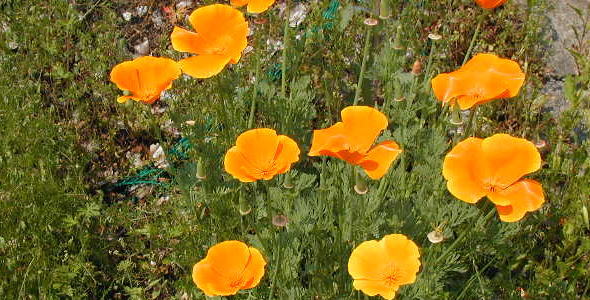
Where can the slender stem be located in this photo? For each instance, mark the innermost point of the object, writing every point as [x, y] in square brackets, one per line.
[462, 237]
[469, 125]
[285, 47]
[254, 96]
[359, 85]
[274, 276]
[475, 34]
[429, 63]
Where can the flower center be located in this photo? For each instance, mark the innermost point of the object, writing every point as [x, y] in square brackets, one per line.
[391, 280]
[236, 283]
[393, 276]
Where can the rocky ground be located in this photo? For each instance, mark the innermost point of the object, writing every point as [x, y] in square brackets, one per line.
[561, 25]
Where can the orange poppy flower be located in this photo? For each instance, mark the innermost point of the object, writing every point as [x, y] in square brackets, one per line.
[493, 167]
[482, 79]
[219, 40]
[353, 138]
[145, 77]
[381, 267]
[229, 266]
[260, 154]
[490, 4]
[254, 6]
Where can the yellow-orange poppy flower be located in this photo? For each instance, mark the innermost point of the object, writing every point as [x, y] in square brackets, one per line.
[490, 4]
[381, 267]
[254, 6]
[260, 154]
[484, 78]
[219, 40]
[493, 167]
[229, 266]
[145, 77]
[352, 140]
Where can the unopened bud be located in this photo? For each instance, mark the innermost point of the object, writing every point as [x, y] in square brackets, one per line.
[585, 216]
[244, 206]
[435, 236]
[371, 22]
[434, 36]
[201, 170]
[280, 221]
[288, 181]
[417, 67]
[384, 9]
[360, 186]
[456, 115]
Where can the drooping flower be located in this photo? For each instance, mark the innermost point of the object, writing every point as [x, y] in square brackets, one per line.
[493, 167]
[145, 78]
[490, 4]
[219, 40]
[484, 78]
[352, 140]
[260, 154]
[254, 6]
[229, 266]
[381, 267]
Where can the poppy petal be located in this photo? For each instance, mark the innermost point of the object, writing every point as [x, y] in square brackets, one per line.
[332, 139]
[205, 20]
[483, 78]
[524, 196]
[204, 66]
[210, 281]
[188, 41]
[287, 153]
[376, 287]
[362, 125]
[227, 40]
[145, 77]
[366, 261]
[490, 4]
[379, 159]
[254, 271]
[238, 166]
[462, 169]
[508, 158]
[446, 87]
[229, 258]
[125, 76]
[123, 99]
[258, 6]
[238, 3]
[405, 254]
[259, 147]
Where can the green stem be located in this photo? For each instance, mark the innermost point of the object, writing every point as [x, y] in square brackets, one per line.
[254, 95]
[359, 85]
[462, 237]
[429, 63]
[474, 37]
[274, 276]
[285, 47]
[470, 123]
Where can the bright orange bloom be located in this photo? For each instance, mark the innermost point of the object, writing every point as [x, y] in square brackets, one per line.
[484, 78]
[493, 167]
[353, 138]
[229, 266]
[381, 267]
[254, 6]
[219, 40]
[489, 4]
[145, 77]
[260, 154]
